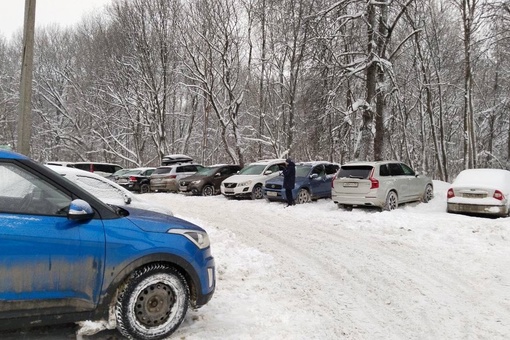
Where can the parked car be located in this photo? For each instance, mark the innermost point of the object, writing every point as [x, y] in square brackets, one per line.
[67, 257]
[115, 176]
[103, 169]
[106, 190]
[137, 179]
[383, 184]
[313, 181]
[249, 182]
[480, 191]
[207, 181]
[166, 178]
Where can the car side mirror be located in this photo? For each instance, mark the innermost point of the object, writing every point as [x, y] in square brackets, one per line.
[217, 174]
[312, 176]
[80, 210]
[127, 199]
[268, 172]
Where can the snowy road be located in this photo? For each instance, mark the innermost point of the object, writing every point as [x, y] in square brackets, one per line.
[315, 272]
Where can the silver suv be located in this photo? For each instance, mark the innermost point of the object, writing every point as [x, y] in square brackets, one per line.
[383, 184]
[166, 178]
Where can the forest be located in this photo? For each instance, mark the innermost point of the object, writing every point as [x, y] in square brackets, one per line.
[426, 82]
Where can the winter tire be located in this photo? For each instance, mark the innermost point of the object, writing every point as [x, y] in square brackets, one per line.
[208, 190]
[257, 192]
[428, 194]
[152, 303]
[303, 196]
[391, 201]
[144, 188]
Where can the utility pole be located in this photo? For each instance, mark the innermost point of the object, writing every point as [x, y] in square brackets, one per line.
[27, 62]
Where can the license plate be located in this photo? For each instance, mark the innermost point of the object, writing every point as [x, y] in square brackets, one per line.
[183, 188]
[229, 191]
[122, 181]
[272, 193]
[351, 184]
[474, 195]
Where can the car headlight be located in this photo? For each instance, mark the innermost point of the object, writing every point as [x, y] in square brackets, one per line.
[244, 184]
[199, 238]
[195, 182]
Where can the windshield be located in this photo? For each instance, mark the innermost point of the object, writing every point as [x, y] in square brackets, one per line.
[302, 170]
[255, 169]
[207, 171]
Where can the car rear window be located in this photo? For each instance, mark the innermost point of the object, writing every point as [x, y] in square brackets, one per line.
[159, 171]
[355, 171]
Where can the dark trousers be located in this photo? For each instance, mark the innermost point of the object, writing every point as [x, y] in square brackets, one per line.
[288, 193]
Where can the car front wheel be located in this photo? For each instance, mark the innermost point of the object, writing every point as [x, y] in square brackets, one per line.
[152, 303]
[257, 192]
[391, 201]
[208, 190]
[303, 196]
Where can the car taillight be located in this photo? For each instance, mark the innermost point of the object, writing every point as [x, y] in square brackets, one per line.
[333, 181]
[132, 178]
[374, 183]
[450, 193]
[172, 176]
[498, 195]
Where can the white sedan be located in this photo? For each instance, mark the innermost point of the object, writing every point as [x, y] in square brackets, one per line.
[480, 191]
[106, 190]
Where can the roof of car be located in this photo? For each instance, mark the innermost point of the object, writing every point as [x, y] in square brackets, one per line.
[11, 155]
[313, 163]
[372, 163]
[267, 161]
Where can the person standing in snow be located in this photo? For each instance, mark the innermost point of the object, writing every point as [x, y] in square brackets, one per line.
[289, 180]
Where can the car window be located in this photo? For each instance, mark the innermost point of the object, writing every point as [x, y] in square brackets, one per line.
[24, 193]
[355, 171]
[160, 171]
[319, 170]
[331, 169]
[383, 170]
[302, 170]
[407, 170]
[395, 169]
[274, 168]
[83, 166]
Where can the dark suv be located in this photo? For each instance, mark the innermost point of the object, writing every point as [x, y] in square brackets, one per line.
[66, 256]
[207, 181]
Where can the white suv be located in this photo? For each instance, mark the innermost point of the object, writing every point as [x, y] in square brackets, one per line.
[382, 184]
[249, 182]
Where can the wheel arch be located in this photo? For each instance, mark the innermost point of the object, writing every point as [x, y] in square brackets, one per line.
[119, 275]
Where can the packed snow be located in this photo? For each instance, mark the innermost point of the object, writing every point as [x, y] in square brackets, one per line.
[313, 271]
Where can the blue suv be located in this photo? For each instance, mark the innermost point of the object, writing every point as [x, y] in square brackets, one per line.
[313, 181]
[66, 256]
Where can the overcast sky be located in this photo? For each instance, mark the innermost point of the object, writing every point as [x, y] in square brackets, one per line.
[63, 12]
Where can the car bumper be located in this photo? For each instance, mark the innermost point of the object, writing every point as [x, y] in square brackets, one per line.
[164, 186]
[463, 208]
[369, 201]
[236, 192]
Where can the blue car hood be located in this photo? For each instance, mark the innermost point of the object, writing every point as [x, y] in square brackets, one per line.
[155, 222]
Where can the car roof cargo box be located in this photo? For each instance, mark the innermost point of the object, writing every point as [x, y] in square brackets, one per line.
[176, 159]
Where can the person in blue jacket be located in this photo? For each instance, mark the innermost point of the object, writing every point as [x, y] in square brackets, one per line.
[289, 180]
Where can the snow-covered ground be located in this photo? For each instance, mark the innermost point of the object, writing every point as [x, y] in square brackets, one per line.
[316, 272]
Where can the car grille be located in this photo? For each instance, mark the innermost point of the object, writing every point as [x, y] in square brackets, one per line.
[273, 186]
[230, 185]
[184, 183]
